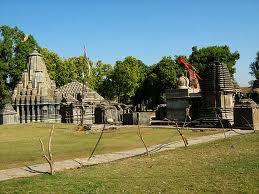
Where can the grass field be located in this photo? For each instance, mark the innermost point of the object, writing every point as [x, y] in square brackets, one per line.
[224, 166]
[19, 144]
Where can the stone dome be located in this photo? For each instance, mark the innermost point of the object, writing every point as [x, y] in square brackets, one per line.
[71, 90]
[183, 82]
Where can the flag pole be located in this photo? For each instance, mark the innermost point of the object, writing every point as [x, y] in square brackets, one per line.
[83, 88]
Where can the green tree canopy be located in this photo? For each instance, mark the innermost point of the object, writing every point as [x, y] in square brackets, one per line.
[126, 77]
[160, 77]
[14, 53]
[100, 74]
[4, 93]
[73, 69]
[254, 67]
[54, 65]
[200, 58]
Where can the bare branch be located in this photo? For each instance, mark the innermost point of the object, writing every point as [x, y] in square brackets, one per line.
[99, 139]
[48, 158]
[222, 125]
[43, 151]
[181, 134]
[42, 147]
[140, 136]
[49, 144]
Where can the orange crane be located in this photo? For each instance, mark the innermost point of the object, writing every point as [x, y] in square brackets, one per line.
[191, 73]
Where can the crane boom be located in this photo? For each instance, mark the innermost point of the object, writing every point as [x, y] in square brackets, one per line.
[192, 72]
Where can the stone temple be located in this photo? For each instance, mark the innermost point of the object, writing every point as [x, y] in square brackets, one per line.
[217, 93]
[86, 106]
[78, 103]
[213, 103]
[36, 98]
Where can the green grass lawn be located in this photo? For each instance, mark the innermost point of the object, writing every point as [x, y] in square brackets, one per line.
[224, 166]
[19, 144]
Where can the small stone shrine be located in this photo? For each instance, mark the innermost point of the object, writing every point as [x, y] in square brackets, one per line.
[183, 102]
[76, 106]
[217, 93]
[35, 97]
[246, 114]
[8, 115]
[84, 105]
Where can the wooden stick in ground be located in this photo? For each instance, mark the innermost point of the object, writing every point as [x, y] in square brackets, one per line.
[48, 158]
[222, 126]
[50, 152]
[181, 134]
[140, 136]
[248, 123]
[99, 139]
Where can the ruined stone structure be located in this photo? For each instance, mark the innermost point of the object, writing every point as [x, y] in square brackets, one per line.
[35, 98]
[214, 103]
[217, 93]
[246, 114]
[255, 91]
[8, 115]
[182, 103]
[76, 106]
[84, 104]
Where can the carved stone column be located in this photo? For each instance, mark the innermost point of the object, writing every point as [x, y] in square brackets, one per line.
[38, 115]
[28, 114]
[19, 112]
[57, 114]
[32, 113]
[22, 114]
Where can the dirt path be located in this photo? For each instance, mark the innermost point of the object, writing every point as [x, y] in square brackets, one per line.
[102, 158]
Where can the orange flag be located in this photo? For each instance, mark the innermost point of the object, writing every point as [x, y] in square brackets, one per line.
[25, 38]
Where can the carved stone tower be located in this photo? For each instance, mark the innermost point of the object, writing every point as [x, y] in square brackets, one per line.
[217, 93]
[35, 97]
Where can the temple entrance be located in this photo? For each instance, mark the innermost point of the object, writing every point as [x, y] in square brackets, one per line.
[66, 112]
[99, 115]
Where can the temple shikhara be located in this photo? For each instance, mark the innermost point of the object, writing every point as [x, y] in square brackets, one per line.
[36, 98]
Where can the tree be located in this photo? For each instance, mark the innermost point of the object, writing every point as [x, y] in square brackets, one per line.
[200, 58]
[71, 70]
[254, 67]
[126, 78]
[100, 77]
[54, 65]
[160, 77]
[4, 93]
[14, 54]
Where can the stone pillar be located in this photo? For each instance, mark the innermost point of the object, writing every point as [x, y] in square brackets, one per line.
[28, 114]
[52, 113]
[16, 108]
[38, 115]
[32, 113]
[57, 115]
[28, 111]
[22, 114]
[19, 112]
[48, 117]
